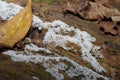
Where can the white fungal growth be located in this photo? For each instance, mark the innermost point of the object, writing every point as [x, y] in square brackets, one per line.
[81, 38]
[52, 68]
[35, 48]
[54, 34]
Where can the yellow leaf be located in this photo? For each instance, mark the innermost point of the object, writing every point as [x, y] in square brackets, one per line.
[17, 28]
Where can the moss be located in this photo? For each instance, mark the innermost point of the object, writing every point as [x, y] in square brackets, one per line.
[40, 73]
[46, 1]
[117, 67]
[16, 75]
[100, 39]
[37, 1]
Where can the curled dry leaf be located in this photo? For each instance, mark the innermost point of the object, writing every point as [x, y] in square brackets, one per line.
[76, 6]
[17, 28]
[108, 27]
[103, 2]
[91, 10]
[97, 10]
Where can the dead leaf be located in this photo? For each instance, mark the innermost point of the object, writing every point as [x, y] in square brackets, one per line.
[17, 28]
[76, 6]
[109, 27]
[91, 10]
[104, 2]
[98, 10]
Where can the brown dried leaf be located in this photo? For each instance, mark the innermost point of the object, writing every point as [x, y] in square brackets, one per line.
[98, 10]
[91, 10]
[76, 6]
[104, 2]
[16, 29]
[108, 27]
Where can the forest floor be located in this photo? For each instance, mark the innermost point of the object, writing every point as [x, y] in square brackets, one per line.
[51, 11]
